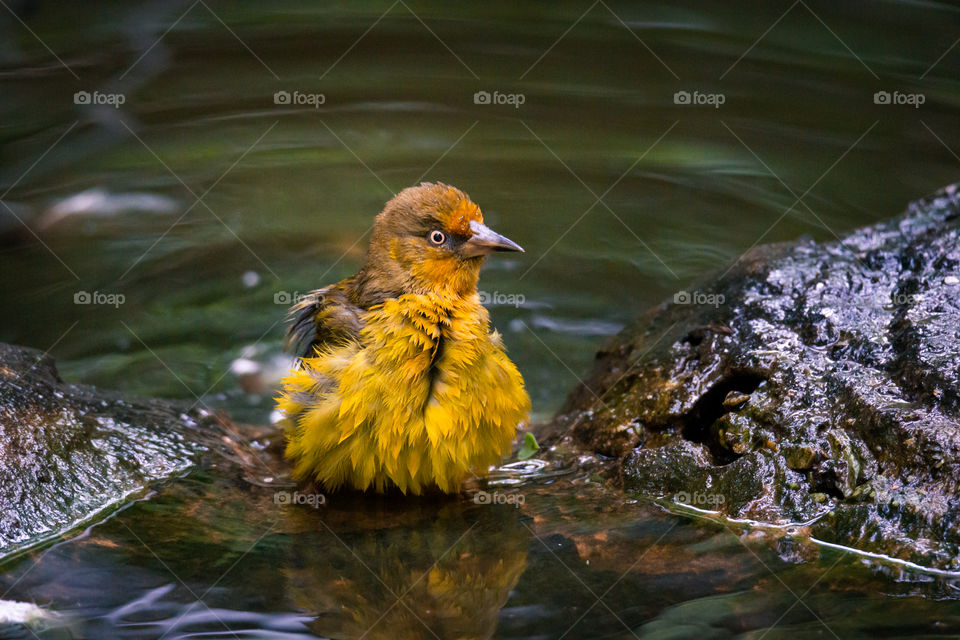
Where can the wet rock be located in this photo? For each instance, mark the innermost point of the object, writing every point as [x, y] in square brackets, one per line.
[809, 382]
[69, 453]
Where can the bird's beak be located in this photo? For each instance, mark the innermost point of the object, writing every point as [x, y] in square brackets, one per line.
[485, 240]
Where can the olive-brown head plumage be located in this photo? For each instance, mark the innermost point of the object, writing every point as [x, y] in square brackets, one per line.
[429, 239]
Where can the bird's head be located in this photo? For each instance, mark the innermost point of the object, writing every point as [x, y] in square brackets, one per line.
[431, 239]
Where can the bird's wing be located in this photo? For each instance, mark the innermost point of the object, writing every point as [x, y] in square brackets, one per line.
[325, 316]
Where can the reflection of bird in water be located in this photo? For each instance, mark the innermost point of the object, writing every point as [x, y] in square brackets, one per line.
[401, 383]
[452, 568]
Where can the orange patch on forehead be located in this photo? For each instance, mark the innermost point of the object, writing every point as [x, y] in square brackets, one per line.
[457, 220]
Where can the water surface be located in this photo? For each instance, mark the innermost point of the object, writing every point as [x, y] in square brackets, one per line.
[207, 206]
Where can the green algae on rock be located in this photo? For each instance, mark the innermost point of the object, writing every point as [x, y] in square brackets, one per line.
[821, 385]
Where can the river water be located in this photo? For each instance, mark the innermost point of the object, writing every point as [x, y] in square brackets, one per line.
[173, 174]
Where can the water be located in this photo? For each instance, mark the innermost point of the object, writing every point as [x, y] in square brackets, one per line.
[207, 557]
[287, 193]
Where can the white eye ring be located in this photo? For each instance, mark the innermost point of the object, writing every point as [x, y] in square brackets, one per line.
[437, 237]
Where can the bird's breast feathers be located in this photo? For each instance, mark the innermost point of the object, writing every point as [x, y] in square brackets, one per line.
[423, 396]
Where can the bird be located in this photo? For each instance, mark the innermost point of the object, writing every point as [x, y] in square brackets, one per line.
[399, 381]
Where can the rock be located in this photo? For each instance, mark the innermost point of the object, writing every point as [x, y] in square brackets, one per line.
[69, 453]
[809, 382]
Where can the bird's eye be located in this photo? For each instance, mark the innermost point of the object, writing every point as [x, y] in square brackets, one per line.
[437, 237]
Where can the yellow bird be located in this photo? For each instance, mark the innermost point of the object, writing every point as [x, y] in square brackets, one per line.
[400, 381]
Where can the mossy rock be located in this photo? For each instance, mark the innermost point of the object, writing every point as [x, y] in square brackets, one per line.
[828, 379]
